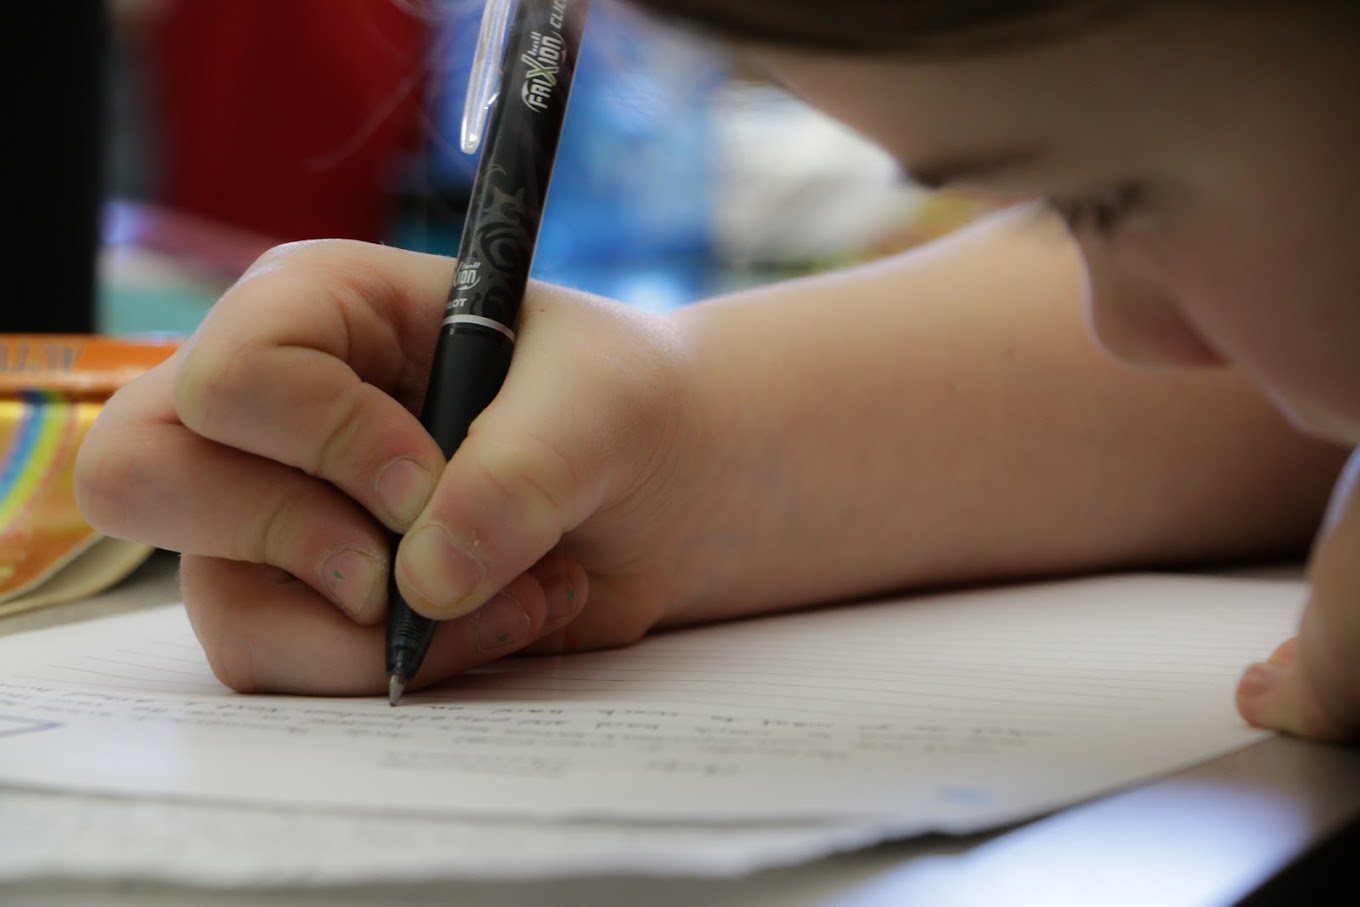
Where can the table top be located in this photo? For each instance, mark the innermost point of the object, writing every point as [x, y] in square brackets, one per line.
[1208, 835]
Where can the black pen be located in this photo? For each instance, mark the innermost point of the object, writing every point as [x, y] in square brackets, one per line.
[535, 61]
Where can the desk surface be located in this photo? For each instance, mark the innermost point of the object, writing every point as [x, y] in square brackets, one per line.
[1209, 835]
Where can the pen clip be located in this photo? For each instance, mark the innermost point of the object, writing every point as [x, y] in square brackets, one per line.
[484, 81]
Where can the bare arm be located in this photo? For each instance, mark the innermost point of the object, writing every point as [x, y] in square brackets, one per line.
[946, 416]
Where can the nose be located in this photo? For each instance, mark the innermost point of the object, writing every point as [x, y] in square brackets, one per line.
[1138, 320]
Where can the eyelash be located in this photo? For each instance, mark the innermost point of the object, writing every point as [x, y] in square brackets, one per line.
[1100, 213]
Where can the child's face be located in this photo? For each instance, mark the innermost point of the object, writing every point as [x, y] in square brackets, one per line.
[1210, 159]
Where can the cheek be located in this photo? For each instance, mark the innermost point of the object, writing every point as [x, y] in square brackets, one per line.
[1283, 304]
[1136, 320]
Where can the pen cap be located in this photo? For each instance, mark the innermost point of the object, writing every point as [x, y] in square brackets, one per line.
[484, 79]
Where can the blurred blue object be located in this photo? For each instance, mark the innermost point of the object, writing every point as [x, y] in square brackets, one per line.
[630, 212]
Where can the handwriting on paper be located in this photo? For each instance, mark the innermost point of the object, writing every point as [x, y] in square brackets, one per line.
[944, 710]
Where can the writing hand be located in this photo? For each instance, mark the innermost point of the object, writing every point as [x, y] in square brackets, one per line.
[278, 449]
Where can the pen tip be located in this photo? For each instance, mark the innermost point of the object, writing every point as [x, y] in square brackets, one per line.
[395, 687]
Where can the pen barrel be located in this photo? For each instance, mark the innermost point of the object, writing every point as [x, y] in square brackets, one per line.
[470, 365]
[408, 636]
[472, 355]
[511, 186]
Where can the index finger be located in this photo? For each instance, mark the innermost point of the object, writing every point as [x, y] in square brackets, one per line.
[317, 358]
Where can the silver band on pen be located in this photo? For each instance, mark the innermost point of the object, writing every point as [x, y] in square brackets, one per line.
[478, 320]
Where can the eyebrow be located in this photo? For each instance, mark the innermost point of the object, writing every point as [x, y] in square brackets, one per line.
[936, 175]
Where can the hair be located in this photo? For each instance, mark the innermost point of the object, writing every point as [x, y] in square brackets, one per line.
[888, 26]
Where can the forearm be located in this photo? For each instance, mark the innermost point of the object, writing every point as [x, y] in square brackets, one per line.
[946, 416]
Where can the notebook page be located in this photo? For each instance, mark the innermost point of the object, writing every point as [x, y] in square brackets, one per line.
[951, 712]
[63, 835]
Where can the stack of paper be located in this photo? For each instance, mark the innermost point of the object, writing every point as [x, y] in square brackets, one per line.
[707, 751]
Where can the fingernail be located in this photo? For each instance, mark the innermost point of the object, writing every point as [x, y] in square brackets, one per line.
[560, 595]
[403, 488]
[1257, 680]
[350, 576]
[500, 623]
[440, 570]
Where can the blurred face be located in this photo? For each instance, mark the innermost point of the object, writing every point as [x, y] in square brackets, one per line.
[1205, 158]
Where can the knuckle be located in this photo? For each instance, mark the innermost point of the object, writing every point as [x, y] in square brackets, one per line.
[223, 631]
[338, 451]
[631, 626]
[107, 479]
[268, 539]
[606, 627]
[340, 271]
[230, 664]
[287, 254]
[207, 380]
[533, 475]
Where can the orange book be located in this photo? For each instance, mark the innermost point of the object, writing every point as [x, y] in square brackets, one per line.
[51, 389]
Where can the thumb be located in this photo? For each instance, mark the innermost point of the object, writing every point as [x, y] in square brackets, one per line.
[585, 415]
[567, 430]
[504, 501]
[1310, 686]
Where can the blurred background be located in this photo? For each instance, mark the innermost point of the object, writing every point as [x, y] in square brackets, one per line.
[171, 141]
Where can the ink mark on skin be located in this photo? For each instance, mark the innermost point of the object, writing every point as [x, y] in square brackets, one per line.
[503, 638]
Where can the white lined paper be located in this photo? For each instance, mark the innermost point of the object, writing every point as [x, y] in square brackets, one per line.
[949, 712]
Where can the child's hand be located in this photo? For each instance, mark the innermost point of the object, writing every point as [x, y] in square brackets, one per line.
[1311, 684]
[278, 451]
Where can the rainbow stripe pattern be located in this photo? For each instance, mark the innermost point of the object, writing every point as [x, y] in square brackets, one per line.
[52, 387]
[40, 526]
[43, 429]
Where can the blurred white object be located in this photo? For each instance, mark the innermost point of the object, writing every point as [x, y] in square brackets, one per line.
[795, 186]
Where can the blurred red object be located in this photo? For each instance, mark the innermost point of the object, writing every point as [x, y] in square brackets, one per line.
[288, 117]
